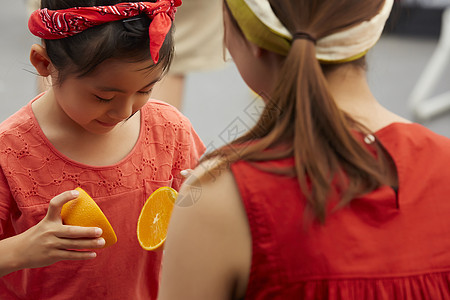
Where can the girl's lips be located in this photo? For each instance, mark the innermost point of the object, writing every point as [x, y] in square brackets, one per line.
[107, 124]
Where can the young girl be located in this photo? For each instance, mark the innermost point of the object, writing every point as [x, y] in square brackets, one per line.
[94, 128]
[329, 196]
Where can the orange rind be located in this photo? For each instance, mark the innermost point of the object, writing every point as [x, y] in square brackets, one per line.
[83, 211]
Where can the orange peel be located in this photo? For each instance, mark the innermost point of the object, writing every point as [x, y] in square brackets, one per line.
[83, 211]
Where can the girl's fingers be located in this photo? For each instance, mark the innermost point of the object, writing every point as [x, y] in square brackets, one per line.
[78, 232]
[185, 173]
[55, 205]
[76, 255]
[81, 244]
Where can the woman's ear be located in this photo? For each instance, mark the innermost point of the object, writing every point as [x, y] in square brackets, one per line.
[257, 51]
[40, 60]
[266, 55]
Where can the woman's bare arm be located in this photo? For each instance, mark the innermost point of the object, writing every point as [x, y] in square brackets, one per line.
[208, 248]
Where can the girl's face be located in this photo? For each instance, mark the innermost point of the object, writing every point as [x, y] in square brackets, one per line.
[108, 96]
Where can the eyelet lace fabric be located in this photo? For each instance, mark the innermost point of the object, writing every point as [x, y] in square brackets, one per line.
[33, 172]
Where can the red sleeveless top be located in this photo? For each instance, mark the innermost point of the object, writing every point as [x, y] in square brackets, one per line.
[384, 245]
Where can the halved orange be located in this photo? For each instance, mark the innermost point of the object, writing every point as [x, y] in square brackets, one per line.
[154, 218]
[83, 211]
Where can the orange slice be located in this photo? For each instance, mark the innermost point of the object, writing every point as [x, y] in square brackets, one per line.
[83, 211]
[154, 218]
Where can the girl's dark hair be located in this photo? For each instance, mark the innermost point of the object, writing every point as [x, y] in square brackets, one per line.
[82, 53]
[301, 118]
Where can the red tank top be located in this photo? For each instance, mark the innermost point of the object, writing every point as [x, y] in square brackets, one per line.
[384, 245]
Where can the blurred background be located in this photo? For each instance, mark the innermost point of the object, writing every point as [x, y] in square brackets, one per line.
[221, 107]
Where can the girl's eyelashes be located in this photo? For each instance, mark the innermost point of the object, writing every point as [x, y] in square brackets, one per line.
[146, 92]
[103, 99]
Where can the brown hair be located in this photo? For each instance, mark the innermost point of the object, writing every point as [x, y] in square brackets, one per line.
[128, 40]
[302, 117]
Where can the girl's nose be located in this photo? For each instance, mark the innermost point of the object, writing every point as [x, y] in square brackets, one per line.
[122, 109]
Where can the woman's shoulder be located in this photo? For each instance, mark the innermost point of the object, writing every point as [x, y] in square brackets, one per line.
[208, 223]
[413, 137]
[421, 155]
[210, 187]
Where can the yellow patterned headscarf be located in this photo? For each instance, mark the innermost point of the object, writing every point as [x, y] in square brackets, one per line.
[261, 26]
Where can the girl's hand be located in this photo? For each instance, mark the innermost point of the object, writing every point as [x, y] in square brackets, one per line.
[50, 241]
[186, 173]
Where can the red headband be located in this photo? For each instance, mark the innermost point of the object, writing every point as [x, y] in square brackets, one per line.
[58, 24]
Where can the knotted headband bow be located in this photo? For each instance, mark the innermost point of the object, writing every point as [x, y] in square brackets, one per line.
[57, 24]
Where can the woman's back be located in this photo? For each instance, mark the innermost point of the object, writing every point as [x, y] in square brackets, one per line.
[363, 217]
[388, 244]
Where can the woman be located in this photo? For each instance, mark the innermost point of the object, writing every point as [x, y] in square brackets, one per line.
[330, 195]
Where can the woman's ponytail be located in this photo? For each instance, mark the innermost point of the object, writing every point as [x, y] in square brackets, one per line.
[302, 120]
[325, 148]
